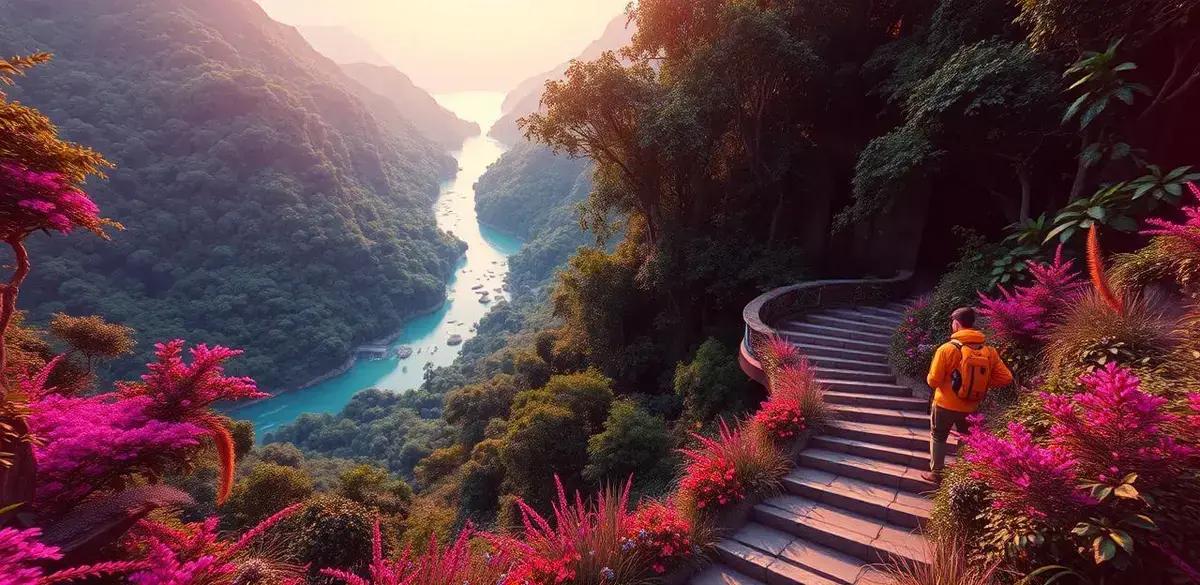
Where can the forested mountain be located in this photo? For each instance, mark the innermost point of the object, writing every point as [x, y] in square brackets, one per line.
[341, 45]
[535, 194]
[523, 99]
[268, 207]
[430, 118]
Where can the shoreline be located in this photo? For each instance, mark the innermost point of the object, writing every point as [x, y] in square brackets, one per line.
[350, 361]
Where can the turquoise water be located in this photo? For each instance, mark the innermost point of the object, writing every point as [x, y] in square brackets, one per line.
[485, 263]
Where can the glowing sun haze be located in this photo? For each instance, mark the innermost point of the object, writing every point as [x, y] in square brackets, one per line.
[451, 45]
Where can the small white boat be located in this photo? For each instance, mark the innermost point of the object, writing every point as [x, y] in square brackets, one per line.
[404, 352]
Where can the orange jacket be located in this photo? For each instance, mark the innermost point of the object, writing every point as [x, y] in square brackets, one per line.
[945, 361]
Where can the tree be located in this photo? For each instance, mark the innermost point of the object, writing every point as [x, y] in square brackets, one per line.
[543, 441]
[633, 443]
[374, 487]
[712, 383]
[41, 177]
[93, 337]
[265, 490]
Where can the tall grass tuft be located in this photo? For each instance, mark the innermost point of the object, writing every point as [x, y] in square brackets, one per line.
[798, 383]
[949, 564]
[724, 470]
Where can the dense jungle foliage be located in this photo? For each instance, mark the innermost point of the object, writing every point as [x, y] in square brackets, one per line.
[267, 207]
[738, 146]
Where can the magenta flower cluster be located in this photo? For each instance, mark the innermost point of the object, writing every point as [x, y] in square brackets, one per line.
[1022, 316]
[21, 555]
[179, 390]
[1114, 428]
[1025, 478]
[1187, 231]
[32, 200]
[916, 335]
[1099, 436]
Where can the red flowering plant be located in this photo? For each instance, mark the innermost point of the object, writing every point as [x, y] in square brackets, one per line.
[22, 556]
[723, 470]
[438, 565]
[912, 343]
[781, 419]
[592, 542]
[662, 533]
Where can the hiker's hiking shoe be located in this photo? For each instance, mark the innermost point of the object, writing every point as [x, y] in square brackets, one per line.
[932, 477]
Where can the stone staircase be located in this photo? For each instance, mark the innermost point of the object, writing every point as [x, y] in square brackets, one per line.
[856, 497]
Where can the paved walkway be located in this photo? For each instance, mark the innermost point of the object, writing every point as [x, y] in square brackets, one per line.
[856, 497]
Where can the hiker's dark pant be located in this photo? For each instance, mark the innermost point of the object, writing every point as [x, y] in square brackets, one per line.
[941, 420]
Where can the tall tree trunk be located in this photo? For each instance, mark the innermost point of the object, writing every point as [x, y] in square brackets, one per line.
[1026, 192]
[8, 305]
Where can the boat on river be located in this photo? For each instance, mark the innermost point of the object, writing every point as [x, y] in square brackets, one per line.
[404, 352]
[455, 339]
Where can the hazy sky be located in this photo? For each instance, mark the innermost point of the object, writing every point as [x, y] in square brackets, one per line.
[449, 45]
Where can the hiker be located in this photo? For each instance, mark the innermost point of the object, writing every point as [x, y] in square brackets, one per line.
[962, 372]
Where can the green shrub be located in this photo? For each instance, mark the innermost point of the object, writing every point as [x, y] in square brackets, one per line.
[712, 383]
[266, 489]
[330, 532]
[633, 442]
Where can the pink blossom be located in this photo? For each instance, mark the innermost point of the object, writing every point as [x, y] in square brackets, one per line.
[179, 390]
[1114, 428]
[1024, 477]
[1023, 315]
[21, 555]
[32, 200]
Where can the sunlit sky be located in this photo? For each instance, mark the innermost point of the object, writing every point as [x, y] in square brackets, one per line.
[451, 45]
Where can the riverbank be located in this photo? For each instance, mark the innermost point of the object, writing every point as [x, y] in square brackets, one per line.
[484, 266]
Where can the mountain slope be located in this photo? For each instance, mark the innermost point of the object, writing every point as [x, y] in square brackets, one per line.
[524, 99]
[267, 206]
[341, 45]
[429, 117]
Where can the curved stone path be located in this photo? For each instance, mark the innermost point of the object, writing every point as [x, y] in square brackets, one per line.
[856, 498]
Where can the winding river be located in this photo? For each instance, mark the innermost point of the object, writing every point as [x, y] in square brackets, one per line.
[484, 265]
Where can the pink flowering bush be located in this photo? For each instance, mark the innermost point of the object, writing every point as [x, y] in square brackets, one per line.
[662, 533]
[1024, 477]
[437, 565]
[1114, 477]
[104, 441]
[194, 554]
[22, 555]
[1022, 317]
[34, 200]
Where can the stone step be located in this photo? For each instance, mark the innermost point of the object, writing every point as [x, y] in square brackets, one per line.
[886, 435]
[883, 416]
[854, 375]
[827, 341]
[849, 365]
[865, 387]
[722, 575]
[885, 312]
[838, 332]
[865, 317]
[883, 503]
[869, 539]
[777, 556]
[873, 400]
[845, 323]
[818, 351]
[918, 458]
[870, 470]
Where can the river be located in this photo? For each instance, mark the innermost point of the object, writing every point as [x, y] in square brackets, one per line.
[485, 263]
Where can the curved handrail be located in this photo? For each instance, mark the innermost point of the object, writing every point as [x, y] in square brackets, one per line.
[797, 298]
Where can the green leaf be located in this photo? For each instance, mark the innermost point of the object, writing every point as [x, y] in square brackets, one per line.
[1126, 66]
[1092, 112]
[1126, 491]
[1120, 150]
[1125, 94]
[1101, 492]
[1074, 107]
[1173, 188]
[1124, 223]
[1141, 190]
[1123, 539]
[1141, 521]
[1175, 174]
[1103, 549]
[1098, 213]
[1081, 81]
[1057, 231]
[1083, 529]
